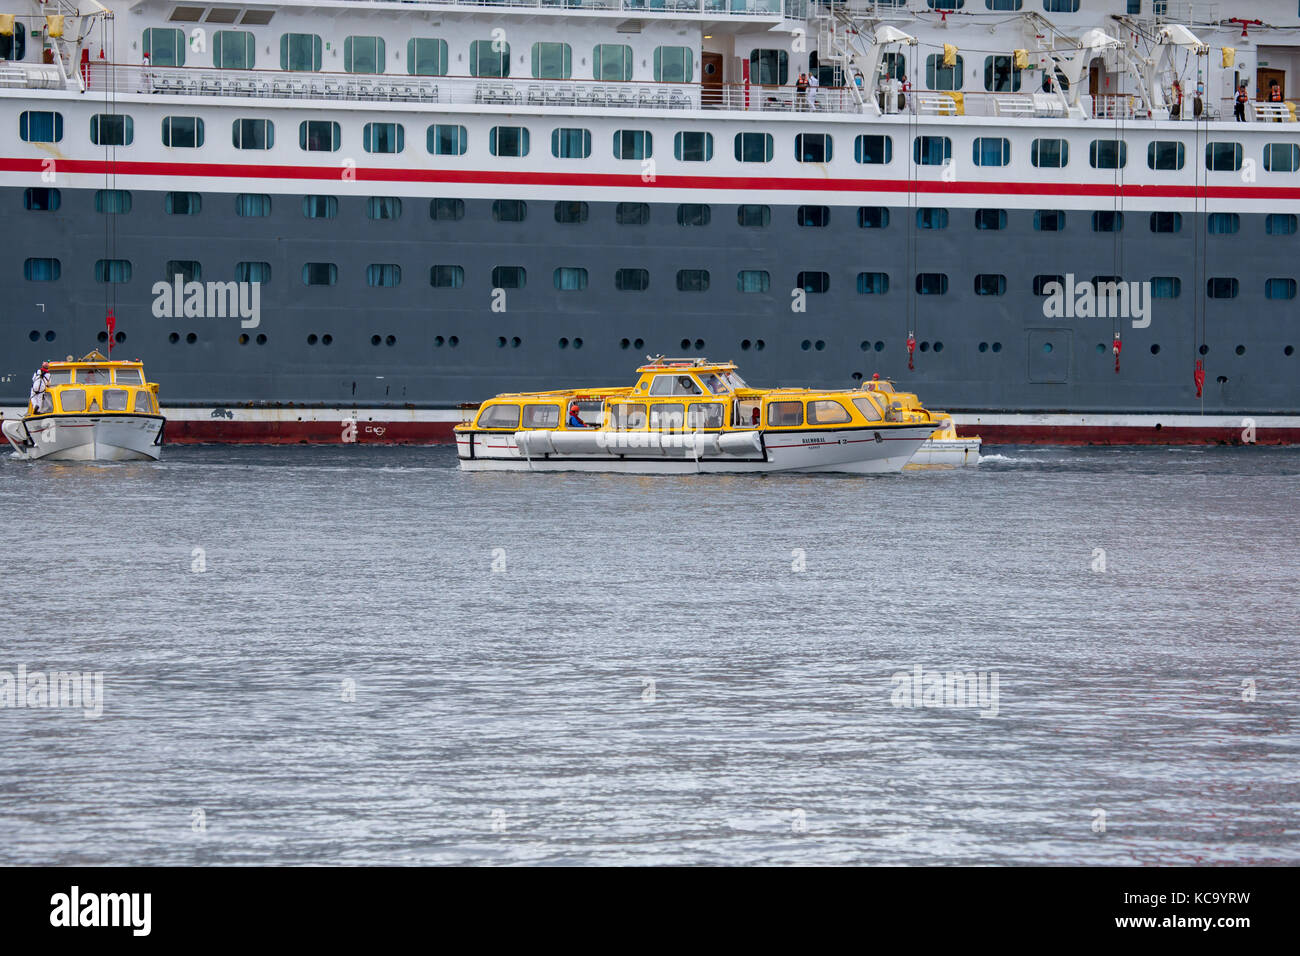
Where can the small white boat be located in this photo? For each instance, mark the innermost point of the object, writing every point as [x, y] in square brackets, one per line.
[945, 448]
[92, 409]
[688, 416]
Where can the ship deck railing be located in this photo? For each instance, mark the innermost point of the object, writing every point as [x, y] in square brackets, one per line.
[768, 9]
[561, 95]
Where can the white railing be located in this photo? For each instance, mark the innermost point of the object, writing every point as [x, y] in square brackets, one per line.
[736, 8]
[345, 87]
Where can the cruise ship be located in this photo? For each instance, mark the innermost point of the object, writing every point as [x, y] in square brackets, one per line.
[1063, 220]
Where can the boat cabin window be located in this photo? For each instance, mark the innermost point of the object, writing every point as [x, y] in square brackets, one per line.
[667, 416]
[499, 416]
[747, 413]
[128, 376]
[115, 399]
[704, 415]
[61, 376]
[716, 384]
[72, 400]
[541, 416]
[92, 376]
[143, 403]
[623, 417]
[868, 409]
[827, 412]
[784, 414]
[675, 385]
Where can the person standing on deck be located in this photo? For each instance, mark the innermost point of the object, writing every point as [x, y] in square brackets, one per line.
[800, 91]
[40, 396]
[1239, 108]
[813, 83]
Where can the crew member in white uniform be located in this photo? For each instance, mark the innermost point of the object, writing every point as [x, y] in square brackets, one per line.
[40, 397]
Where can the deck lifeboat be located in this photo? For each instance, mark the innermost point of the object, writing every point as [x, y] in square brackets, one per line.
[944, 448]
[92, 409]
[686, 416]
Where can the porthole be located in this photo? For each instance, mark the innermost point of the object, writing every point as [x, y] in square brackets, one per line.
[311, 339]
[759, 345]
[1101, 349]
[1223, 380]
[243, 338]
[375, 340]
[1047, 348]
[261, 338]
[501, 342]
[577, 343]
[453, 341]
[326, 339]
[819, 345]
[36, 336]
[515, 342]
[699, 345]
[1203, 349]
[391, 340]
[564, 343]
[938, 346]
[857, 376]
[984, 347]
[745, 344]
[101, 337]
[49, 336]
[639, 343]
[925, 346]
[119, 338]
[439, 341]
[1155, 349]
[1289, 350]
[997, 346]
[805, 345]
[1241, 350]
[865, 346]
[191, 338]
[174, 338]
[880, 346]
[686, 344]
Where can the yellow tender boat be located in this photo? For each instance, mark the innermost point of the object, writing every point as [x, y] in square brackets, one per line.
[685, 416]
[93, 409]
[943, 447]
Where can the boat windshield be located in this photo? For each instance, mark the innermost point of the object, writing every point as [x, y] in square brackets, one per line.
[92, 376]
[733, 380]
[61, 376]
[717, 384]
[128, 376]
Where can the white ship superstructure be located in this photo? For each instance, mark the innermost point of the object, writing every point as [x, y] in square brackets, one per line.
[1044, 216]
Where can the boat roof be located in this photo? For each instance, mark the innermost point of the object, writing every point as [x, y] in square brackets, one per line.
[661, 363]
[94, 358]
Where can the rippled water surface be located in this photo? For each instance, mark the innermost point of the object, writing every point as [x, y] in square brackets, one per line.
[602, 669]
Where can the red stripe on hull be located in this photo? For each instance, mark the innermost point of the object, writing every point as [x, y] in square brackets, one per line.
[1127, 435]
[221, 431]
[634, 181]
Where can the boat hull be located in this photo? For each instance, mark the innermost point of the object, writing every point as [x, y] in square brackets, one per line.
[949, 452]
[847, 451]
[86, 437]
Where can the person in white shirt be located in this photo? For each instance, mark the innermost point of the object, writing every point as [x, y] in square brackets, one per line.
[813, 83]
[40, 397]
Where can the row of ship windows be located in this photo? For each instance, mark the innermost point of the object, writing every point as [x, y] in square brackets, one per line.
[564, 342]
[120, 201]
[189, 132]
[575, 279]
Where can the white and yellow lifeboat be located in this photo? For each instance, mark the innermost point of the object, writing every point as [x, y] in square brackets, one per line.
[944, 447]
[90, 409]
[686, 416]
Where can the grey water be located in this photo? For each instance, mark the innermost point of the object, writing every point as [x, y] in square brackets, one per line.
[360, 655]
